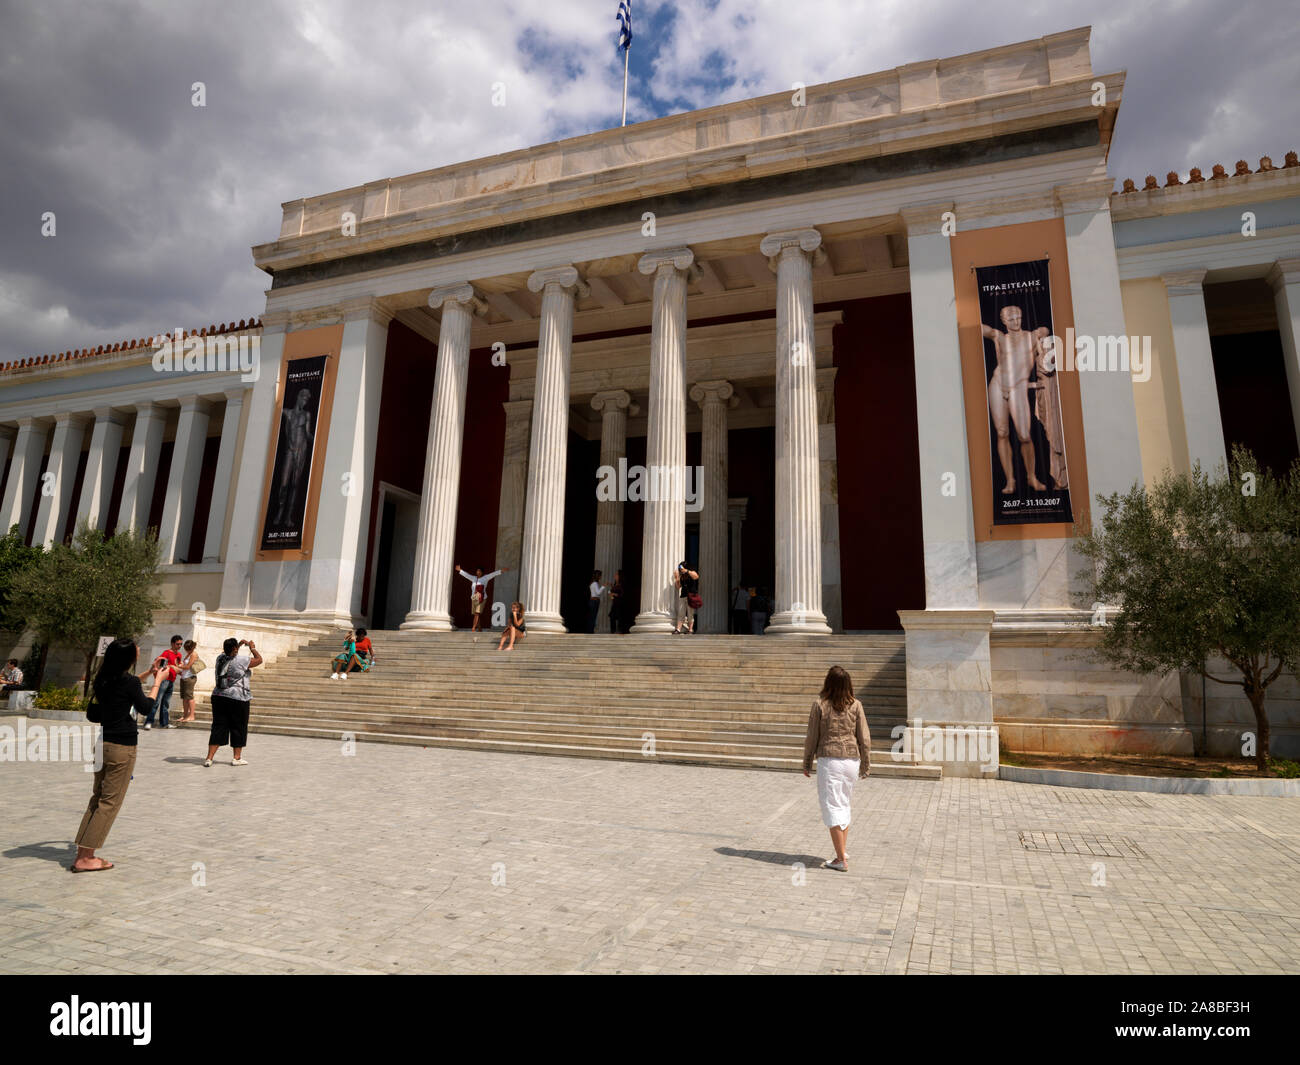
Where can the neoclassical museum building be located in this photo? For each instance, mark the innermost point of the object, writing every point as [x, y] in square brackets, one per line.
[804, 342]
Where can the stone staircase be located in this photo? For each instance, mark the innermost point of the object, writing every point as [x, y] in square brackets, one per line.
[703, 700]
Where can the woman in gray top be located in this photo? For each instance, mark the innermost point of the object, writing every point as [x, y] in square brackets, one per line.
[231, 699]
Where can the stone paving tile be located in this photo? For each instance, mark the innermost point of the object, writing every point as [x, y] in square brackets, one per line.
[403, 859]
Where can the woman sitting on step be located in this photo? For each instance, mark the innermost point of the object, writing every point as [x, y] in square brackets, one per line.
[358, 654]
[514, 627]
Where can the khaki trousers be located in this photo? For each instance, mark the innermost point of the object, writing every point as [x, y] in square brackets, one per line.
[106, 799]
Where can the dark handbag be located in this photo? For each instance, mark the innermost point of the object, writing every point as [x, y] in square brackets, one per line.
[694, 600]
[94, 712]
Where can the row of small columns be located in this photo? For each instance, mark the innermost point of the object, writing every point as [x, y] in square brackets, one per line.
[107, 427]
[791, 255]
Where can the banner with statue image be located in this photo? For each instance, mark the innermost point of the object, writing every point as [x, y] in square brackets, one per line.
[1026, 429]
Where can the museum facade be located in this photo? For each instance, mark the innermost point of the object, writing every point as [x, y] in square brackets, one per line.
[873, 346]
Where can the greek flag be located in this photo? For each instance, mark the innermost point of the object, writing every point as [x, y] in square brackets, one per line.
[624, 17]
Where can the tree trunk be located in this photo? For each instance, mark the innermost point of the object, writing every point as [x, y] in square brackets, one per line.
[40, 667]
[1256, 696]
[85, 683]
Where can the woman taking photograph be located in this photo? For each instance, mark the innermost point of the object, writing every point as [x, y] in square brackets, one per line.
[231, 698]
[117, 691]
[839, 739]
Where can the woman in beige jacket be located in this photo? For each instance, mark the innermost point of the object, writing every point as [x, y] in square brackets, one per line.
[840, 741]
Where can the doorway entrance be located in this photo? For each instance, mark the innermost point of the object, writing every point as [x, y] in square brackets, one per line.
[394, 561]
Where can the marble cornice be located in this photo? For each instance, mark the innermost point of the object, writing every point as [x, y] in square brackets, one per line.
[1036, 85]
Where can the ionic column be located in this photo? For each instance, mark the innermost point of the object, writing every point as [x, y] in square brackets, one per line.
[182, 492]
[827, 451]
[101, 467]
[225, 475]
[713, 397]
[543, 546]
[1200, 397]
[1284, 277]
[514, 491]
[798, 499]
[436, 540]
[614, 407]
[24, 473]
[59, 479]
[141, 467]
[663, 540]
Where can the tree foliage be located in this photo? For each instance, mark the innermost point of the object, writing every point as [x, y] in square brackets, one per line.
[15, 557]
[75, 593]
[1203, 567]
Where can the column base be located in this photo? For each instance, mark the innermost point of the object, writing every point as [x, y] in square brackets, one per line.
[539, 622]
[427, 622]
[798, 623]
[652, 621]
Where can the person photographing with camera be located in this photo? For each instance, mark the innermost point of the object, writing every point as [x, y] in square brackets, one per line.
[232, 699]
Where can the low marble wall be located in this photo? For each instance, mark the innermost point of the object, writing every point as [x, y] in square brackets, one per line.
[1051, 696]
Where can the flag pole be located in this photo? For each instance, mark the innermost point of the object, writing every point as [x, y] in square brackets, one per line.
[626, 53]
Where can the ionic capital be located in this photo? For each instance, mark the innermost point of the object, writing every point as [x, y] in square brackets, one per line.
[460, 293]
[706, 392]
[794, 242]
[666, 258]
[615, 399]
[565, 276]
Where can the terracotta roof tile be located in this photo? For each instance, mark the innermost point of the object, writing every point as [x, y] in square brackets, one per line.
[121, 345]
[1218, 173]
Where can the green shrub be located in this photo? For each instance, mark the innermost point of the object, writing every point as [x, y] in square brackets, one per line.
[1284, 767]
[52, 698]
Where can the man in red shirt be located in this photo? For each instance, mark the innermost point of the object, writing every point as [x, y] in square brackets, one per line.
[165, 669]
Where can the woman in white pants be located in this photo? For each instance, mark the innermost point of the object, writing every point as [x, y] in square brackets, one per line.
[840, 741]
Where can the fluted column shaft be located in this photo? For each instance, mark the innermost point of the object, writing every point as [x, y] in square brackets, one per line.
[183, 480]
[664, 537]
[713, 397]
[514, 494]
[59, 480]
[24, 474]
[225, 474]
[436, 539]
[141, 467]
[543, 544]
[101, 468]
[614, 407]
[798, 501]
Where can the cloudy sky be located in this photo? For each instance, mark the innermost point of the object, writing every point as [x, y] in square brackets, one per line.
[157, 202]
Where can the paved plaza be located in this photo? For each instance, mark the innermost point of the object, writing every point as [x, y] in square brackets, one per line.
[406, 859]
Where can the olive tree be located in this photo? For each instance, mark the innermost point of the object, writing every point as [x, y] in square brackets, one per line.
[1201, 567]
[74, 593]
